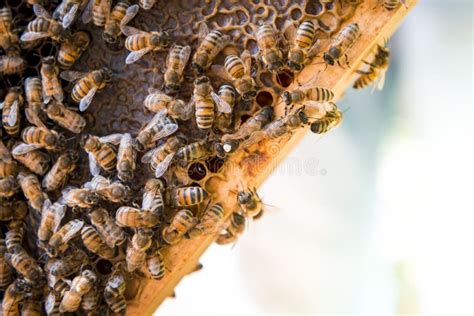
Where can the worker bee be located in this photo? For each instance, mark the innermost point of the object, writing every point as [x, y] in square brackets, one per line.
[35, 160]
[392, 4]
[59, 240]
[97, 11]
[39, 137]
[153, 196]
[204, 99]
[331, 120]
[250, 202]
[25, 265]
[12, 62]
[71, 49]
[147, 4]
[7, 37]
[34, 99]
[52, 89]
[136, 251]
[195, 151]
[101, 154]
[376, 72]
[175, 108]
[126, 158]
[341, 44]
[58, 174]
[31, 188]
[121, 14]
[67, 11]
[68, 264]
[8, 166]
[94, 243]
[51, 217]
[211, 44]
[14, 296]
[66, 118]
[253, 124]
[186, 196]
[175, 63]
[114, 293]
[139, 43]
[182, 222]
[44, 26]
[110, 232]
[237, 70]
[8, 187]
[80, 285]
[223, 121]
[235, 228]
[161, 157]
[14, 236]
[91, 300]
[303, 45]
[11, 114]
[114, 192]
[32, 304]
[13, 210]
[269, 52]
[210, 221]
[87, 84]
[155, 263]
[82, 197]
[6, 276]
[308, 94]
[160, 126]
[127, 216]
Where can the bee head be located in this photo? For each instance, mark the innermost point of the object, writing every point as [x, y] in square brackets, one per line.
[172, 88]
[200, 60]
[295, 66]
[315, 127]
[303, 117]
[201, 80]
[331, 55]
[287, 97]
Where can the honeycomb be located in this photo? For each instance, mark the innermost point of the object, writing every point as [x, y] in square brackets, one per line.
[119, 108]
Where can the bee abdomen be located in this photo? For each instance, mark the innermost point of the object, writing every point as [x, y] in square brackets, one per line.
[156, 266]
[234, 66]
[38, 25]
[365, 80]
[391, 4]
[136, 42]
[305, 34]
[80, 90]
[204, 114]
[190, 196]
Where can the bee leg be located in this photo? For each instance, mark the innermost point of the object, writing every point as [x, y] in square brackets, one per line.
[347, 61]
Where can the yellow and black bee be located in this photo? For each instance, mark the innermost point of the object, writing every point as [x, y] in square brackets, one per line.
[377, 70]
[303, 44]
[341, 44]
[212, 43]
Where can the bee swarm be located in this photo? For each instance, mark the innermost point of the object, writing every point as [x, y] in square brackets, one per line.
[114, 182]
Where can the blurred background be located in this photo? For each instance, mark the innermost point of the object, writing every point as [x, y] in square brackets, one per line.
[376, 216]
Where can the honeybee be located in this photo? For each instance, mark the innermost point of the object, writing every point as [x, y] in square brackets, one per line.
[392, 4]
[32, 304]
[101, 154]
[186, 196]
[210, 221]
[7, 37]
[39, 137]
[253, 124]
[8, 187]
[11, 114]
[94, 243]
[51, 217]
[153, 196]
[114, 293]
[67, 11]
[66, 118]
[80, 285]
[308, 94]
[126, 158]
[51, 303]
[71, 49]
[160, 126]
[136, 251]
[97, 11]
[25, 265]
[12, 62]
[59, 240]
[269, 52]
[175, 108]
[44, 26]
[35, 160]
[212, 43]
[8, 167]
[376, 72]
[114, 192]
[182, 222]
[237, 70]
[204, 99]
[147, 4]
[121, 14]
[195, 151]
[52, 89]
[223, 121]
[127, 216]
[68, 264]
[5, 270]
[14, 296]
[34, 98]
[278, 128]
[87, 84]
[303, 44]
[161, 157]
[13, 210]
[82, 198]
[331, 120]
[175, 63]
[155, 263]
[58, 174]
[14, 236]
[250, 202]
[140, 42]
[31, 188]
[234, 230]
[91, 300]
[341, 44]
[110, 232]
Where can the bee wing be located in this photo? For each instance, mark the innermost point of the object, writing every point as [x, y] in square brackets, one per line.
[60, 212]
[32, 36]
[310, 84]
[136, 55]
[254, 138]
[148, 155]
[222, 105]
[187, 111]
[129, 30]
[70, 16]
[94, 167]
[40, 11]
[184, 54]
[33, 118]
[23, 149]
[58, 10]
[247, 60]
[289, 31]
[163, 166]
[318, 108]
[87, 13]
[2, 105]
[72, 76]
[13, 115]
[112, 138]
[129, 15]
[167, 130]
[380, 82]
[159, 116]
[222, 73]
[203, 30]
[4, 152]
[86, 101]
[312, 51]
[73, 230]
